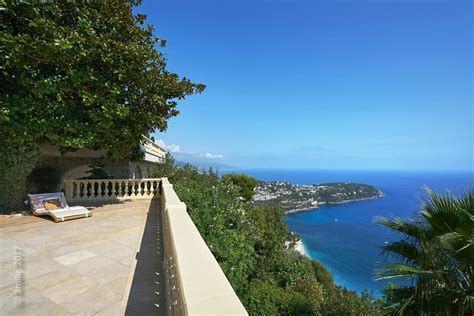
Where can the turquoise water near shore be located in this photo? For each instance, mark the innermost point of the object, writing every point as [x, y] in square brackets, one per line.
[343, 236]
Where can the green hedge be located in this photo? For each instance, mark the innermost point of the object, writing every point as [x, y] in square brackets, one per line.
[18, 160]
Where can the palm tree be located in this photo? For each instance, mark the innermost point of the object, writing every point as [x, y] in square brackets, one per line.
[436, 253]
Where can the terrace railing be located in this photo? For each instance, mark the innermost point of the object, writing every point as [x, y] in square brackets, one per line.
[194, 281]
[110, 189]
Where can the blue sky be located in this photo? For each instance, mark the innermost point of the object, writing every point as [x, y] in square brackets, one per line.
[322, 84]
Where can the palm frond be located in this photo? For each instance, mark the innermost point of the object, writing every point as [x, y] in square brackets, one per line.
[403, 250]
[437, 252]
[396, 270]
[413, 229]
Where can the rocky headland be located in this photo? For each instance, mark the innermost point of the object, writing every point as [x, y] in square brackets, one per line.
[295, 198]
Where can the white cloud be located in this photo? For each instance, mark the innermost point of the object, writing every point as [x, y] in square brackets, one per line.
[172, 148]
[212, 156]
[175, 149]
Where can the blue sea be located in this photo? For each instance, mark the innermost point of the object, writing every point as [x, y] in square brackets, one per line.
[344, 237]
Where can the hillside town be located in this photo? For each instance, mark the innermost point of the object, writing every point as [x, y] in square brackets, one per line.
[293, 197]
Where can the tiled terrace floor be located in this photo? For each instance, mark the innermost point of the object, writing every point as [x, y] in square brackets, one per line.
[108, 264]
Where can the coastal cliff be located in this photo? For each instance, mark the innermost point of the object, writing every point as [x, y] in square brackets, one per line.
[294, 198]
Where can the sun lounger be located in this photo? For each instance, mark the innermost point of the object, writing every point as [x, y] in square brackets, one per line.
[54, 205]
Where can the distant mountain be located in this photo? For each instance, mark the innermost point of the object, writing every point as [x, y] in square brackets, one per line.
[205, 165]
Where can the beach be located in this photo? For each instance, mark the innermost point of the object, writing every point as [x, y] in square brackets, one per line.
[301, 248]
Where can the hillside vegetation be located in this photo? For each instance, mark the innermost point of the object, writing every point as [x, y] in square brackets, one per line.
[248, 241]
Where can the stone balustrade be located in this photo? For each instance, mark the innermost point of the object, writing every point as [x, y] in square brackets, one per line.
[110, 189]
[194, 281]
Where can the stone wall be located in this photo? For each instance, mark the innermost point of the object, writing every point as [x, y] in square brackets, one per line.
[63, 165]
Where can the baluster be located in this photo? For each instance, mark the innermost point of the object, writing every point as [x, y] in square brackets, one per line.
[95, 189]
[129, 188]
[154, 185]
[148, 187]
[101, 185]
[108, 188]
[86, 190]
[89, 189]
[114, 188]
[98, 185]
[142, 188]
[82, 190]
[135, 188]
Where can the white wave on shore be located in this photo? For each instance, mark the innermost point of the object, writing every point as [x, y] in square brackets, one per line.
[300, 247]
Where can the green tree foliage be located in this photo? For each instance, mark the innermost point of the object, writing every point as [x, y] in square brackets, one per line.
[80, 75]
[17, 162]
[248, 241]
[97, 171]
[245, 183]
[342, 301]
[323, 276]
[437, 254]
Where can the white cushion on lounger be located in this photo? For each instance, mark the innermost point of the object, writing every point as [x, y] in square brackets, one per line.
[63, 214]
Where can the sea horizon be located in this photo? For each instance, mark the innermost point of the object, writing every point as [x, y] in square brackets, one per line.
[243, 169]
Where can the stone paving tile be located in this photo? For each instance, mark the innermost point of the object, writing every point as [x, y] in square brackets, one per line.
[110, 310]
[92, 266]
[6, 242]
[112, 272]
[6, 276]
[66, 290]
[7, 253]
[36, 265]
[126, 262]
[117, 285]
[62, 250]
[32, 303]
[88, 241]
[44, 242]
[128, 240]
[120, 253]
[91, 301]
[75, 257]
[44, 282]
[103, 247]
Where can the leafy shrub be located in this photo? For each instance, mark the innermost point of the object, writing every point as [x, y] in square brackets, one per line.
[97, 172]
[323, 275]
[245, 183]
